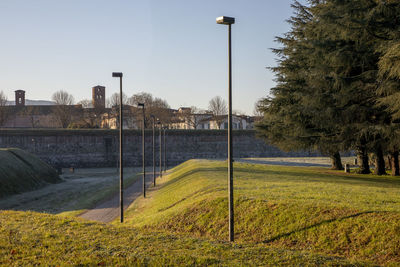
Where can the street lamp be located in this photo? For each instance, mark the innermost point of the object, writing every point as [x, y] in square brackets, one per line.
[143, 150]
[154, 151]
[160, 141]
[229, 21]
[121, 152]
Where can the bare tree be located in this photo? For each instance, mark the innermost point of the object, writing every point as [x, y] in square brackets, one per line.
[4, 111]
[63, 98]
[31, 112]
[218, 108]
[257, 110]
[3, 99]
[142, 97]
[91, 114]
[154, 106]
[86, 103]
[114, 100]
[63, 109]
[193, 116]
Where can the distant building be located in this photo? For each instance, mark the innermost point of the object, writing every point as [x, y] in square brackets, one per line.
[99, 96]
[184, 119]
[21, 115]
[110, 120]
[20, 98]
[50, 115]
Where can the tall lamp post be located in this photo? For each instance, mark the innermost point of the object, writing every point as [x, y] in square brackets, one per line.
[229, 21]
[154, 151]
[121, 152]
[143, 150]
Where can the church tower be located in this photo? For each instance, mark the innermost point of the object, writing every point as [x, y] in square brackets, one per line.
[99, 96]
[20, 98]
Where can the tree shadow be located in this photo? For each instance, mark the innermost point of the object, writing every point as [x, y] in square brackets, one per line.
[318, 224]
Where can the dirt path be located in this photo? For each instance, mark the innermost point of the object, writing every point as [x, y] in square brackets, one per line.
[109, 210]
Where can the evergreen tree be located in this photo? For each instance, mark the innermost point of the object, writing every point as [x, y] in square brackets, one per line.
[327, 82]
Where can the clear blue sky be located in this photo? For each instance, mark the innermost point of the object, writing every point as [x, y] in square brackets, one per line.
[172, 49]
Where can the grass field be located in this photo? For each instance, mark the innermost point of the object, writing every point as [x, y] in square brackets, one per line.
[311, 209]
[284, 216]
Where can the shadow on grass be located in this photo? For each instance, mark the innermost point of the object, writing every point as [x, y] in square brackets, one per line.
[318, 224]
[320, 176]
[303, 174]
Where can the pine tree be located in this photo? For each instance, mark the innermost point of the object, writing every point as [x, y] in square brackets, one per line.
[327, 82]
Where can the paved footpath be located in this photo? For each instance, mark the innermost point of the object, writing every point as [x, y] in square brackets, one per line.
[109, 210]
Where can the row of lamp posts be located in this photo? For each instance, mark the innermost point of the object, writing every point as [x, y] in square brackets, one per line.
[121, 151]
[220, 20]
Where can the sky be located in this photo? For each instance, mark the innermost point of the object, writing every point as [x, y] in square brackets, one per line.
[172, 49]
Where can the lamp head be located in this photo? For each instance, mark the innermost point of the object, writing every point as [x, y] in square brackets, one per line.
[141, 105]
[225, 20]
[117, 74]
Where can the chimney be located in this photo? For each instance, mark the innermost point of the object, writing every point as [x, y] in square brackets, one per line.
[20, 98]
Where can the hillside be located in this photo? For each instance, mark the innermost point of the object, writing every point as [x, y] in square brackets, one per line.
[21, 171]
[303, 209]
[28, 238]
[285, 216]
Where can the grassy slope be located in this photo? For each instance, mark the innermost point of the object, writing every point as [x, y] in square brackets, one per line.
[308, 209]
[28, 238]
[21, 171]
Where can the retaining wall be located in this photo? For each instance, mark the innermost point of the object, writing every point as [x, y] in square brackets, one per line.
[99, 148]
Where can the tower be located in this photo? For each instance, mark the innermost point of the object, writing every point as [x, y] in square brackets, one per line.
[99, 96]
[20, 98]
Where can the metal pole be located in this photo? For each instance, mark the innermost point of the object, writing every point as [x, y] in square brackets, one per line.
[116, 151]
[165, 153]
[230, 150]
[144, 155]
[121, 154]
[154, 155]
[160, 151]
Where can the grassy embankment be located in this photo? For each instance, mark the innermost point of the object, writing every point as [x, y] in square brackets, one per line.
[284, 216]
[31, 239]
[21, 171]
[307, 209]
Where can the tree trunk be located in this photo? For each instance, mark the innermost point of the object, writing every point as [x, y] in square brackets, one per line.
[363, 159]
[336, 161]
[379, 162]
[394, 163]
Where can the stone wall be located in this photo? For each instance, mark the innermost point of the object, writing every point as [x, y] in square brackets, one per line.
[99, 148]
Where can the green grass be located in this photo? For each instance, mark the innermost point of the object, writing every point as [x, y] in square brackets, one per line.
[307, 209]
[29, 239]
[283, 216]
[21, 171]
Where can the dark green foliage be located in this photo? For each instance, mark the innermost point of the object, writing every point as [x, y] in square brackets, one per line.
[328, 92]
[21, 171]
